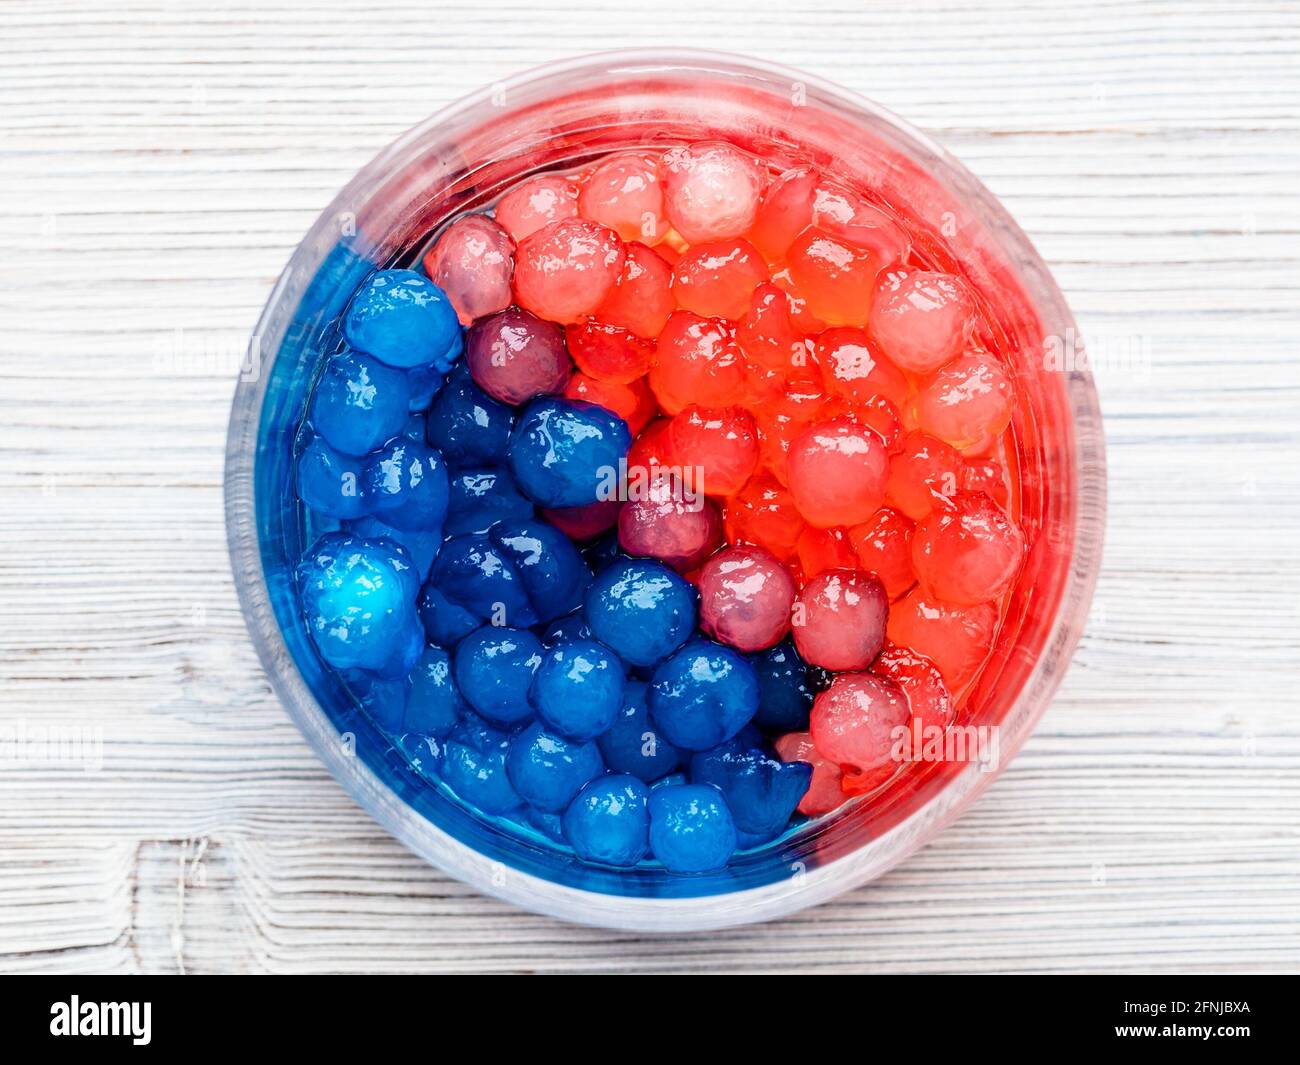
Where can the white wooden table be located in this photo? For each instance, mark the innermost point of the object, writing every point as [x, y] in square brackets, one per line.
[158, 161]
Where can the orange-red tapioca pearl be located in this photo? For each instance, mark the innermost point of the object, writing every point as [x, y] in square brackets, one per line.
[985, 474]
[820, 550]
[853, 366]
[633, 401]
[921, 319]
[716, 279]
[923, 472]
[624, 193]
[697, 360]
[927, 695]
[837, 471]
[721, 441]
[956, 639]
[883, 545]
[845, 215]
[763, 513]
[641, 299]
[967, 401]
[565, 269]
[766, 333]
[968, 552]
[609, 352]
[786, 211]
[837, 279]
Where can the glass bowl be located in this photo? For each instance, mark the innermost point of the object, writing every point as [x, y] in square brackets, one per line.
[558, 118]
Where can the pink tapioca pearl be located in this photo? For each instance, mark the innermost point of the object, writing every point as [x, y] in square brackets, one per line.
[923, 472]
[641, 300]
[721, 442]
[847, 216]
[920, 318]
[473, 262]
[956, 639]
[711, 191]
[585, 522]
[837, 471]
[823, 794]
[927, 696]
[968, 552]
[839, 619]
[564, 270]
[766, 333]
[515, 356]
[786, 211]
[883, 546]
[853, 367]
[625, 194]
[854, 722]
[745, 598]
[967, 401]
[880, 415]
[716, 279]
[535, 203]
[669, 521]
[697, 360]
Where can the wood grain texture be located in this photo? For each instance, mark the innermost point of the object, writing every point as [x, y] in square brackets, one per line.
[159, 161]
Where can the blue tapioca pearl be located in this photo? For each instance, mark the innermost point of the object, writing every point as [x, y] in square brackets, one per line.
[406, 485]
[403, 653]
[568, 454]
[784, 695]
[472, 572]
[691, 828]
[603, 552]
[479, 498]
[703, 695]
[494, 669]
[331, 482]
[424, 383]
[633, 745]
[554, 573]
[570, 627]
[358, 599]
[421, 546]
[549, 825]
[548, 770]
[477, 774]
[382, 700]
[414, 429]
[445, 623]
[434, 704]
[467, 425]
[641, 609]
[422, 753]
[402, 319]
[761, 791]
[609, 821]
[578, 689]
[359, 403]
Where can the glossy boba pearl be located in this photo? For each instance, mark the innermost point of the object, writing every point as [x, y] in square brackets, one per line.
[434, 704]
[472, 262]
[670, 523]
[475, 575]
[445, 622]
[609, 821]
[784, 695]
[480, 498]
[691, 828]
[853, 721]
[494, 669]
[564, 270]
[406, 485]
[766, 334]
[535, 203]
[928, 697]
[968, 552]
[745, 598]
[402, 319]
[956, 639]
[837, 472]
[634, 403]
[883, 546]
[824, 793]
[553, 573]
[641, 609]
[716, 279]
[359, 403]
[420, 545]
[514, 356]
[473, 765]
[720, 442]
[330, 483]
[763, 513]
[467, 425]
[358, 598]
[836, 279]
[566, 454]
[968, 400]
[925, 472]
[711, 191]
[839, 620]
[640, 300]
[921, 318]
[624, 193]
[632, 744]
[696, 361]
[703, 695]
[547, 770]
[853, 368]
[761, 791]
[578, 689]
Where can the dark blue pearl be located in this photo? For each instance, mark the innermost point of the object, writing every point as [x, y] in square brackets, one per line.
[479, 498]
[494, 670]
[473, 765]
[567, 454]
[703, 695]
[784, 695]
[548, 770]
[761, 791]
[406, 486]
[359, 403]
[422, 546]
[434, 704]
[641, 609]
[329, 482]
[403, 319]
[691, 828]
[578, 689]
[445, 623]
[632, 744]
[570, 627]
[473, 573]
[609, 821]
[554, 573]
[467, 425]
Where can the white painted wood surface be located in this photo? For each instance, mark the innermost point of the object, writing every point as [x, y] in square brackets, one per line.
[158, 161]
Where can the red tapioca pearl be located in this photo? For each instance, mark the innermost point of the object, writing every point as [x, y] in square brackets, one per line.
[800, 316]
[823, 794]
[650, 448]
[985, 475]
[671, 522]
[566, 269]
[848, 217]
[514, 356]
[921, 319]
[923, 472]
[854, 368]
[697, 360]
[883, 545]
[837, 472]
[854, 722]
[766, 334]
[711, 191]
[838, 280]
[722, 442]
[745, 598]
[586, 522]
[763, 513]
[881, 416]
[473, 262]
[786, 211]
[641, 300]
[969, 399]
[717, 278]
[956, 639]
[633, 402]
[821, 550]
[969, 552]
[609, 352]
[762, 388]
[537, 202]
[839, 618]
[625, 194]
[927, 695]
